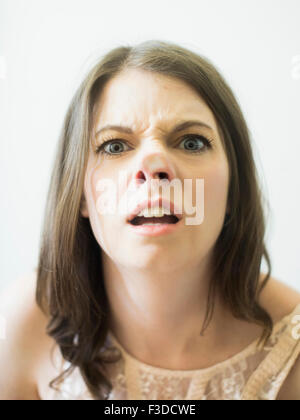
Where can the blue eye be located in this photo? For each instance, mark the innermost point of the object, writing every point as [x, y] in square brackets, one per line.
[115, 147]
[111, 147]
[193, 141]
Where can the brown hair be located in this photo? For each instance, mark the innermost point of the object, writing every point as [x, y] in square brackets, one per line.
[70, 287]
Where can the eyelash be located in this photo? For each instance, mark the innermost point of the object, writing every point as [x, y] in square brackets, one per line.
[109, 140]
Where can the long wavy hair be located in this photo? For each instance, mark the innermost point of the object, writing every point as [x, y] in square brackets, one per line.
[70, 285]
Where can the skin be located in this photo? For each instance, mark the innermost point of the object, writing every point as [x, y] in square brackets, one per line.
[149, 315]
[157, 286]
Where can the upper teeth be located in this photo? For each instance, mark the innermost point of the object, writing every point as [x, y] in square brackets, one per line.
[154, 212]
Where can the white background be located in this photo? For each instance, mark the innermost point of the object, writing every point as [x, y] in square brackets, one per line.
[47, 46]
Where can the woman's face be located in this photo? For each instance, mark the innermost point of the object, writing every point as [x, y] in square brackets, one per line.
[152, 105]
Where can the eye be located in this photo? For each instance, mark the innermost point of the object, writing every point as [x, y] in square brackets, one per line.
[114, 147]
[111, 147]
[194, 143]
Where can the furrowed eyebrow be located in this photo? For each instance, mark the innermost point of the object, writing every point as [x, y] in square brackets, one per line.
[179, 127]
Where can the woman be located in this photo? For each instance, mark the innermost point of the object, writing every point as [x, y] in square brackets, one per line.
[172, 310]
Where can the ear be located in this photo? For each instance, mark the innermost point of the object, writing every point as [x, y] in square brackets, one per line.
[83, 207]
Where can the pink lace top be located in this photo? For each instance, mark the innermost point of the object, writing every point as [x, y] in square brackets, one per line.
[252, 374]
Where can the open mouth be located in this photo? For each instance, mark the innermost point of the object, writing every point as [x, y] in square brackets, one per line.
[166, 219]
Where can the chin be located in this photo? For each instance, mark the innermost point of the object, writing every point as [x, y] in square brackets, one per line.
[153, 257]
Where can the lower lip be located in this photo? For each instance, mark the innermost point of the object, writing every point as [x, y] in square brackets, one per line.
[155, 230]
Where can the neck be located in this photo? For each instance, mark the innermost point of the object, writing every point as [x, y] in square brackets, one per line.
[158, 315]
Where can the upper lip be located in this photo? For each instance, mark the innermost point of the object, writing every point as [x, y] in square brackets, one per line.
[159, 202]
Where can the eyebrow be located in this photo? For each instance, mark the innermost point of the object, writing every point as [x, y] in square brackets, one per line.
[179, 127]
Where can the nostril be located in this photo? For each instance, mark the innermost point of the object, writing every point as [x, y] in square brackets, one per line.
[140, 176]
[162, 175]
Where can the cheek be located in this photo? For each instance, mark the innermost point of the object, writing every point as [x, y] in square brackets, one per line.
[99, 190]
[216, 190]
[100, 194]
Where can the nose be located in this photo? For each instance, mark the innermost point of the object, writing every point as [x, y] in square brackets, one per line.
[155, 166]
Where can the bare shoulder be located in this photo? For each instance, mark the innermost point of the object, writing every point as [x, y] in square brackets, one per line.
[290, 389]
[25, 343]
[280, 300]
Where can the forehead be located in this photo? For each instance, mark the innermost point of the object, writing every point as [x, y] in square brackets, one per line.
[141, 100]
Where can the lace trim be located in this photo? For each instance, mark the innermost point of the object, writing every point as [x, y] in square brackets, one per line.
[276, 366]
